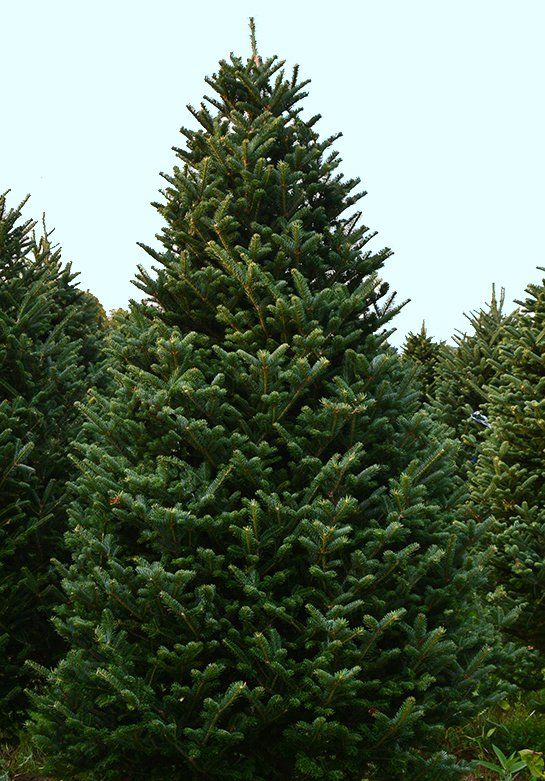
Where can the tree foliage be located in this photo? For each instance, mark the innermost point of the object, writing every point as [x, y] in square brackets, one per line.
[509, 478]
[425, 355]
[464, 374]
[50, 334]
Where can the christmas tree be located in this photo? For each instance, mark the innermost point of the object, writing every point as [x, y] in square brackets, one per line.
[425, 354]
[508, 482]
[464, 374]
[82, 315]
[49, 342]
[269, 577]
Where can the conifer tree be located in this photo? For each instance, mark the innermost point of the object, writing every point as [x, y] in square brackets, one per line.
[425, 354]
[509, 476]
[49, 343]
[464, 374]
[83, 318]
[269, 577]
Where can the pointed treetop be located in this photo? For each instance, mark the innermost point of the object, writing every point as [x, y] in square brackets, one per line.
[255, 56]
[495, 303]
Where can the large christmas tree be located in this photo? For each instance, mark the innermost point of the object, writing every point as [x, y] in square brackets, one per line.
[269, 577]
[50, 335]
[508, 482]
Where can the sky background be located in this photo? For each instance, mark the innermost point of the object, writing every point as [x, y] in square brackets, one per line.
[440, 103]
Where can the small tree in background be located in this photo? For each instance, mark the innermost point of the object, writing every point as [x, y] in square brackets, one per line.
[270, 579]
[508, 482]
[464, 374]
[425, 354]
[50, 334]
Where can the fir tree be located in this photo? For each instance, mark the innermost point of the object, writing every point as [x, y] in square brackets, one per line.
[269, 578]
[425, 354]
[464, 374]
[509, 476]
[49, 337]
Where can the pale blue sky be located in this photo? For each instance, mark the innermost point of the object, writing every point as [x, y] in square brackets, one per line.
[441, 106]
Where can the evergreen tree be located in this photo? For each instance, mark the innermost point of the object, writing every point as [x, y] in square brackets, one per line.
[464, 374]
[269, 577]
[425, 354]
[49, 341]
[509, 476]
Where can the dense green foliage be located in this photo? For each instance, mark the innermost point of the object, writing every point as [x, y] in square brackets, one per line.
[271, 578]
[425, 354]
[50, 333]
[464, 374]
[509, 478]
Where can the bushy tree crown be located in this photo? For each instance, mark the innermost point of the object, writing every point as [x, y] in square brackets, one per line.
[425, 355]
[464, 374]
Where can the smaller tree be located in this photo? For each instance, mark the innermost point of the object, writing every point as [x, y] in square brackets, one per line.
[50, 341]
[508, 482]
[464, 374]
[425, 354]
